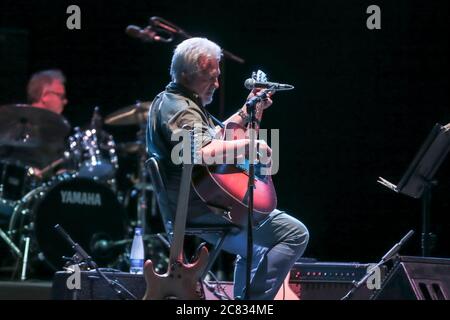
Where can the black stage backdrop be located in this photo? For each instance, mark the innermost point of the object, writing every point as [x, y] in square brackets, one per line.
[363, 103]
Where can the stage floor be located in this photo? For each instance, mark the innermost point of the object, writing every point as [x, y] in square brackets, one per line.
[25, 290]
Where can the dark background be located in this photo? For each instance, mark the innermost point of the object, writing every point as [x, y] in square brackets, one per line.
[363, 103]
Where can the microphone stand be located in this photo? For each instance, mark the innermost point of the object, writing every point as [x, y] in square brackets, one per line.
[118, 288]
[171, 28]
[388, 256]
[251, 111]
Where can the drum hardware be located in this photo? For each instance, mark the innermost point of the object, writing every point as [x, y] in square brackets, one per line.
[83, 199]
[92, 152]
[143, 184]
[23, 276]
[16, 180]
[11, 244]
[89, 209]
[137, 115]
[30, 138]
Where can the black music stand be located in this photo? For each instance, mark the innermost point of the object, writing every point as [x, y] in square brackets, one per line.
[418, 178]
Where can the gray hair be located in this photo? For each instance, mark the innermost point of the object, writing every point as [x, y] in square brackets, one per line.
[39, 80]
[186, 56]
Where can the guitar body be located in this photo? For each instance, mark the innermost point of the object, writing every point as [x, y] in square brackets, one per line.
[179, 282]
[226, 187]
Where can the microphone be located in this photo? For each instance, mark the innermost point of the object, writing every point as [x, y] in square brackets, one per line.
[145, 35]
[252, 84]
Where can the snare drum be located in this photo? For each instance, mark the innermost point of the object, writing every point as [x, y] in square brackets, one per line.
[88, 210]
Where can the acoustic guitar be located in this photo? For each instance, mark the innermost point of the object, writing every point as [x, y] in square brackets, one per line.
[224, 187]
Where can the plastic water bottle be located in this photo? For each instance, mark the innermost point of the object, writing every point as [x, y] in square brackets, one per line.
[137, 253]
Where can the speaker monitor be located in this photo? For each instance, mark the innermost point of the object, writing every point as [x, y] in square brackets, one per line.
[329, 280]
[417, 278]
[92, 286]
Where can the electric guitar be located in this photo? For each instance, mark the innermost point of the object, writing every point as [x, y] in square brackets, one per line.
[181, 279]
[223, 187]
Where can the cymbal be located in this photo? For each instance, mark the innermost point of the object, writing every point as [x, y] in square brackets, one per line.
[135, 114]
[31, 135]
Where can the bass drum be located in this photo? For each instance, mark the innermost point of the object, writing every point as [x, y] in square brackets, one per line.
[88, 210]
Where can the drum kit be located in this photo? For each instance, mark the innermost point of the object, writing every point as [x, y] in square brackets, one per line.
[49, 177]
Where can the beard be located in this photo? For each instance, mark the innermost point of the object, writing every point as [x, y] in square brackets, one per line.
[208, 99]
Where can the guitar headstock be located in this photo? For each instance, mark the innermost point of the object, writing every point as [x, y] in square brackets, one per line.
[259, 76]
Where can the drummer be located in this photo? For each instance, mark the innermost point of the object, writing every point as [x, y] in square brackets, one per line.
[46, 90]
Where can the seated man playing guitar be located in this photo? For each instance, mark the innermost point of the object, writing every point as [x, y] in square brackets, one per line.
[278, 239]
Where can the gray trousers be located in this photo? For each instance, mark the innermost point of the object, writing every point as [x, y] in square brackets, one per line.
[278, 242]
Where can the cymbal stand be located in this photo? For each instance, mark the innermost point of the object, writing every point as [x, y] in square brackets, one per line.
[143, 184]
[23, 276]
[11, 244]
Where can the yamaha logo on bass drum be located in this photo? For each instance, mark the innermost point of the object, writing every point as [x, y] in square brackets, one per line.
[81, 198]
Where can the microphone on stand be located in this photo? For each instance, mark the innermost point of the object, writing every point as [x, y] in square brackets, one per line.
[253, 84]
[168, 26]
[149, 34]
[145, 35]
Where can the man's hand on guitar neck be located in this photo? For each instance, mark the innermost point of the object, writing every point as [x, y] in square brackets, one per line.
[241, 116]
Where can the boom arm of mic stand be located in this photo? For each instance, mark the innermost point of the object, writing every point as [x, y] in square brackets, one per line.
[114, 284]
[388, 256]
[358, 284]
[172, 28]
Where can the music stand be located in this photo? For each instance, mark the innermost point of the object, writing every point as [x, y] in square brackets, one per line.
[418, 178]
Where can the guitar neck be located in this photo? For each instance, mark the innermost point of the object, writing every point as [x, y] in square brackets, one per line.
[176, 251]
